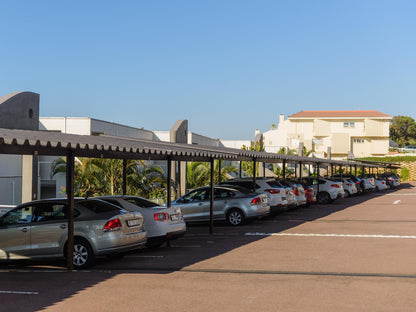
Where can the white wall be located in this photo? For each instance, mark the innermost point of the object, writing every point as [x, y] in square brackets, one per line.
[238, 144]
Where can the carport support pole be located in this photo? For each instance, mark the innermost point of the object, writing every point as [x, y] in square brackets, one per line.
[124, 176]
[70, 172]
[219, 171]
[254, 174]
[284, 169]
[317, 175]
[169, 183]
[211, 199]
[241, 169]
[300, 170]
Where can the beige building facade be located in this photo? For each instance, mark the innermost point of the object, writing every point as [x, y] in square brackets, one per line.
[340, 133]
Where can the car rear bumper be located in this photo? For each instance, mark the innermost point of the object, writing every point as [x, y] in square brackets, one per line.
[163, 238]
[120, 243]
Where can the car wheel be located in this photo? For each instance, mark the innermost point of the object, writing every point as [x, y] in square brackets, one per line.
[347, 194]
[83, 254]
[323, 198]
[235, 217]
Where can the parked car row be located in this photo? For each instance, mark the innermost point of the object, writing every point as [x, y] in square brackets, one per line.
[113, 225]
[108, 226]
[239, 199]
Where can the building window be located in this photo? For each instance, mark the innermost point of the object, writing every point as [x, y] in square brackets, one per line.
[349, 124]
[358, 140]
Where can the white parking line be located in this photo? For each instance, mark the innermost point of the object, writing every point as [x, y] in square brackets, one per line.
[333, 235]
[396, 202]
[145, 256]
[19, 292]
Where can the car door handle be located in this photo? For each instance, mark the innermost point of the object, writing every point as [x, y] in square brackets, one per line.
[63, 226]
[24, 230]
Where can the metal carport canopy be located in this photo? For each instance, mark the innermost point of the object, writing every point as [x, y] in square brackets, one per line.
[29, 142]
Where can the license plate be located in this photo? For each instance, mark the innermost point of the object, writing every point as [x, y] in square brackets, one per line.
[133, 222]
[174, 217]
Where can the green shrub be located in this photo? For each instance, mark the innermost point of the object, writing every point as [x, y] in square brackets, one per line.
[405, 174]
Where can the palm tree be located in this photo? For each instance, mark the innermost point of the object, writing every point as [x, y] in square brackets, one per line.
[199, 173]
[147, 181]
[95, 176]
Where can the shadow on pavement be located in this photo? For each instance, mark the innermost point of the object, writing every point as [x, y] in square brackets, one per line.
[33, 285]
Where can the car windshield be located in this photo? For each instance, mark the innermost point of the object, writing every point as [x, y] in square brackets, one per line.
[99, 206]
[242, 189]
[141, 202]
[274, 183]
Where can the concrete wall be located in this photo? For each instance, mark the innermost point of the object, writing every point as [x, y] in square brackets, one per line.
[90, 126]
[73, 125]
[20, 110]
[198, 139]
[235, 143]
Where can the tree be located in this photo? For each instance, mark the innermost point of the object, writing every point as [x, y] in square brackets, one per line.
[247, 166]
[403, 130]
[287, 151]
[95, 176]
[199, 173]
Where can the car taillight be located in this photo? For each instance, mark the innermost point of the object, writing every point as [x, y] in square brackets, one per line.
[256, 201]
[161, 216]
[272, 191]
[349, 184]
[382, 182]
[335, 185]
[296, 192]
[308, 190]
[112, 225]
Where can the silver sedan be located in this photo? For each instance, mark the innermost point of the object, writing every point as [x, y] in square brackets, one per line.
[38, 229]
[232, 205]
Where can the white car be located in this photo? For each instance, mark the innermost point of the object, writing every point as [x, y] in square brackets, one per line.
[161, 223]
[297, 190]
[349, 186]
[367, 183]
[276, 193]
[380, 184]
[326, 190]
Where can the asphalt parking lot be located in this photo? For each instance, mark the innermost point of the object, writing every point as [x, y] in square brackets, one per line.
[356, 254]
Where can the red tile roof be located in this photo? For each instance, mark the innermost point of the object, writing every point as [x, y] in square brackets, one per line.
[340, 114]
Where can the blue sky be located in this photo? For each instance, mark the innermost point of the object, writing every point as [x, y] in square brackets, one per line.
[227, 66]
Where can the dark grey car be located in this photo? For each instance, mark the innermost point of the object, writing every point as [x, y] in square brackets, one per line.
[230, 204]
[38, 229]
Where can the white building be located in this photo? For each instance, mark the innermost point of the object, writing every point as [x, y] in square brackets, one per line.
[362, 133]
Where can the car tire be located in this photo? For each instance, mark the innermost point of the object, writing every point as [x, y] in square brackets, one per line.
[83, 254]
[323, 198]
[347, 194]
[235, 217]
